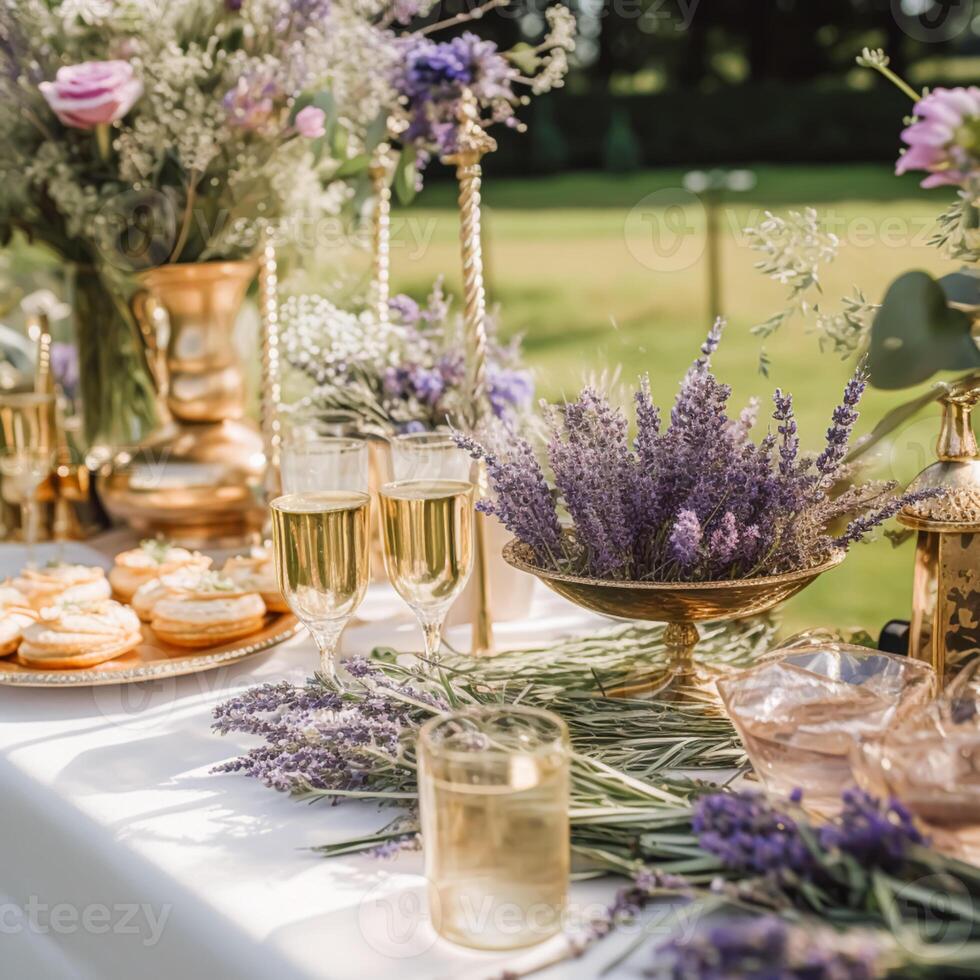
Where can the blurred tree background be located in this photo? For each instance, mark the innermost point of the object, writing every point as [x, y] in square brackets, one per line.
[761, 80]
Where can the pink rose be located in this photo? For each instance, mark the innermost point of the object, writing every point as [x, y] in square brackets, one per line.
[92, 93]
[309, 122]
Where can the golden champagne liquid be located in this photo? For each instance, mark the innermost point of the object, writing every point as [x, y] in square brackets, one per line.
[497, 856]
[427, 529]
[321, 546]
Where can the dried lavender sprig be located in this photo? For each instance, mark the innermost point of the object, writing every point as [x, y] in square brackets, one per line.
[844, 418]
[860, 527]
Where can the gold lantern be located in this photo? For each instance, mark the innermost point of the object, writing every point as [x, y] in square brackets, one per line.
[945, 628]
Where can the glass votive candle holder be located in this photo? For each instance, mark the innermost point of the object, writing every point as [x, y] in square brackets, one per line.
[799, 714]
[931, 762]
[493, 796]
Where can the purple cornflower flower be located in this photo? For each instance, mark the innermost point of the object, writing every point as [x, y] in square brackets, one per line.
[431, 76]
[769, 948]
[944, 140]
[874, 833]
[747, 834]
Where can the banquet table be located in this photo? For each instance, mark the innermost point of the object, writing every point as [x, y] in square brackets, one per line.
[122, 854]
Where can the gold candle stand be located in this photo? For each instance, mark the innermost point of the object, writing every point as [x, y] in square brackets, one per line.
[271, 394]
[945, 627]
[473, 143]
[382, 164]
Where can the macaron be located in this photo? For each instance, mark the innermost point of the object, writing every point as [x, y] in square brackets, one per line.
[78, 635]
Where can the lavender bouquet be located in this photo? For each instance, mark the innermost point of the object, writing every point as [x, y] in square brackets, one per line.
[697, 500]
[403, 375]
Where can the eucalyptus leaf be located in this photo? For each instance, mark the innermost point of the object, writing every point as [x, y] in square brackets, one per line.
[915, 334]
[406, 171]
[376, 131]
[338, 142]
[961, 288]
[354, 165]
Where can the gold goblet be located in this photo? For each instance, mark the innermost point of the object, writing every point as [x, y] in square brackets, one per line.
[680, 605]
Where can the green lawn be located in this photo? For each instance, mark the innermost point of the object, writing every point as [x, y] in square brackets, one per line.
[605, 274]
[573, 263]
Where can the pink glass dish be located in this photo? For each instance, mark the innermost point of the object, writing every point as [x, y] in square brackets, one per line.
[799, 713]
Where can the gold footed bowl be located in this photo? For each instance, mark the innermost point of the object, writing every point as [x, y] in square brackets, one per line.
[680, 605]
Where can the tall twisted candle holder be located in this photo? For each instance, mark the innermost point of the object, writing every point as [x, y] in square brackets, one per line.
[380, 170]
[473, 143]
[271, 394]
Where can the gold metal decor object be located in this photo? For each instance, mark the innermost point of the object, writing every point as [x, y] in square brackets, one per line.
[271, 394]
[473, 143]
[945, 628]
[153, 659]
[380, 170]
[199, 477]
[680, 605]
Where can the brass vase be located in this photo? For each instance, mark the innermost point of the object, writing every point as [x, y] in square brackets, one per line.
[199, 477]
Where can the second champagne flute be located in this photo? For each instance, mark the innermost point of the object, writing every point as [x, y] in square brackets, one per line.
[427, 529]
[321, 544]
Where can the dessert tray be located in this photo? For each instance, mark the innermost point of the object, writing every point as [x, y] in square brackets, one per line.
[152, 658]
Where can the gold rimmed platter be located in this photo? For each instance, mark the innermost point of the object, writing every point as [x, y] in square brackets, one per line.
[153, 659]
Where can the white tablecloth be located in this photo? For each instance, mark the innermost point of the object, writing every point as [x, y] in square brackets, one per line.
[122, 856]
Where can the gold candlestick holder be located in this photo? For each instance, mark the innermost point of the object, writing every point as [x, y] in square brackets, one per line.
[271, 394]
[473, 143]
[380, 171]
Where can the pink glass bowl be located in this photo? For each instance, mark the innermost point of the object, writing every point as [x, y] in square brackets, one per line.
[799, 713]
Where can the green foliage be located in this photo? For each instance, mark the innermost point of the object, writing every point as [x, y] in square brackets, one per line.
[549, 148]
[915, 334]
[621, 151]
[406, 172]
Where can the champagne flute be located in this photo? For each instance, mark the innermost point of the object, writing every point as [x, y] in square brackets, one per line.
[23, 472]
[320, 540]
[28, 422]
[331, 463]
[427, 532]
[429, 456]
